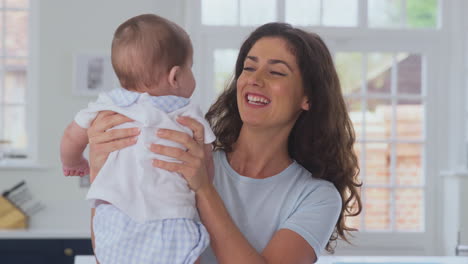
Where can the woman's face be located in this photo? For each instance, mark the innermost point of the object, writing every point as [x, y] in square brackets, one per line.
[269, 90]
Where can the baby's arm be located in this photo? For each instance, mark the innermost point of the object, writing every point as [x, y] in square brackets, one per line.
[74, 141]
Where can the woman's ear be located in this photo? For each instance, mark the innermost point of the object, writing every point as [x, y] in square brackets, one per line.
[305, 104]
[172, 77]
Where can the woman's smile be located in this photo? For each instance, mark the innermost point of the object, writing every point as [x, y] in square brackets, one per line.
[257, 100]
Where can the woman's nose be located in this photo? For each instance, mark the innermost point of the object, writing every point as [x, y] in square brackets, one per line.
[256, 78]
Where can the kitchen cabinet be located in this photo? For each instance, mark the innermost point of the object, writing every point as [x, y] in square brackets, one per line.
[43, 251]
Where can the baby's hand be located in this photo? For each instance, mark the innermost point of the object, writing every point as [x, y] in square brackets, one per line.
[80, 169]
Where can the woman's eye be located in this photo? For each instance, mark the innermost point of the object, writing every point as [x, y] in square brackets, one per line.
[248, 68]
[278, 73]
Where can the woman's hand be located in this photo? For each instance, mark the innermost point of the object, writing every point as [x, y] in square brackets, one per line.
[194, 159]
[103, 141]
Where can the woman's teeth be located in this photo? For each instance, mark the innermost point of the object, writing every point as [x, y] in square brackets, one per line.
[257, 100]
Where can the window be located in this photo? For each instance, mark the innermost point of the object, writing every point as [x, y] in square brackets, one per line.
[387, 55]
[386, 105]
[15, 60]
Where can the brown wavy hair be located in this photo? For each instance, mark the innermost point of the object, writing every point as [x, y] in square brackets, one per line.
[322, 138]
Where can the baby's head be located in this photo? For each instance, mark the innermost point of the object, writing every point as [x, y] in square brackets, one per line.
[152, 54]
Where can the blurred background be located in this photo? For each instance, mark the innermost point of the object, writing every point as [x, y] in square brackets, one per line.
[403, 68]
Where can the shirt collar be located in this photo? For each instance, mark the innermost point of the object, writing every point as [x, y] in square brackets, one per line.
[167, 103]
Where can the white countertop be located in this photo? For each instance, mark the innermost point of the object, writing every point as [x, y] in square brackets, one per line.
[85, 260]
[352, 259]
[392, 259]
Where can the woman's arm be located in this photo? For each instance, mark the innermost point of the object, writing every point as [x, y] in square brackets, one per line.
[230, 245]
[227, 242]
[209, 161]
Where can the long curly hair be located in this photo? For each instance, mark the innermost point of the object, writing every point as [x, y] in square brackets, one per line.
[322, 138]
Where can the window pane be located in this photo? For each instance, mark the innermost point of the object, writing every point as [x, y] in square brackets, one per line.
[16, 63]
[410, 119]
[17, 3]
[211, 14]
[303, 12]
[379, 116]
[377, 163]
[224, 63]
[16, 33]
[354, 221]
[2, 125]
[421, 13]
[379, 73]
[257, 12]
[349, 68]
[15, 86]
[14, 126]
[409, 210]
[354, 106]
[358, 149]
[409, 164]
[13, 79]
[377, 209]
[409, 73]
[1, 33]
[385, 13]
[340, 13]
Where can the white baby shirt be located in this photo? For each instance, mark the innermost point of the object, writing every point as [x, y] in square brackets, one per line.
[128, 180]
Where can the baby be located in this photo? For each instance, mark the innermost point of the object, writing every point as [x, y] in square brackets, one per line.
[143, 214]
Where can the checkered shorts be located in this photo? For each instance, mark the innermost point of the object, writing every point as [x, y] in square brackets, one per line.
[121, 240]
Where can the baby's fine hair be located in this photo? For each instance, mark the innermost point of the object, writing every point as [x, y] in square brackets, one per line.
[145, 48]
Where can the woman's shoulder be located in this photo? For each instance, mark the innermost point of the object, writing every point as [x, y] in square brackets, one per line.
[316, 188]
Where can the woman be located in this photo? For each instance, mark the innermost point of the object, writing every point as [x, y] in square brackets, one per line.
[285, 172]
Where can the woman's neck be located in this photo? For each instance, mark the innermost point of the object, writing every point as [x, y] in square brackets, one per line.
[260, 153]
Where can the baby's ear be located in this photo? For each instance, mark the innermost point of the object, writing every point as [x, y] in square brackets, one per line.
[173, 77]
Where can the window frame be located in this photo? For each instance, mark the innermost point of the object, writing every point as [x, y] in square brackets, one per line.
[402, 243]
[438, 104]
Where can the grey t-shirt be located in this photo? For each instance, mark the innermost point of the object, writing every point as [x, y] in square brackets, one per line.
[292, 199]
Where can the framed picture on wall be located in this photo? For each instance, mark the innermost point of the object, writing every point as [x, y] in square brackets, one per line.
[93, 73]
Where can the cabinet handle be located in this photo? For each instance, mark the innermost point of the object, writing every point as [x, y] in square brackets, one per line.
[68, 252]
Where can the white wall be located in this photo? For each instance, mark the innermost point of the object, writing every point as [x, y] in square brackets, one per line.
[67, 27]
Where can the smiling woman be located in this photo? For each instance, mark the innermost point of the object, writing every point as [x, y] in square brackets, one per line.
[388, 62]
[285, 105]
